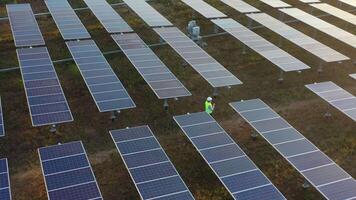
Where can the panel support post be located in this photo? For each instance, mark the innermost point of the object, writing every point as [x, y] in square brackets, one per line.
[53, 129]
[254, 135]
[306, 184]
[250, 23]
[216, 29]
[281, 76]
[320, 69]
[243, 49]
[280, 41]
[165, 104]
[114, 115]
[216, 92]
[281, 16]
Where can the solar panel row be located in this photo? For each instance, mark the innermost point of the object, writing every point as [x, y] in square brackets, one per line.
[147, 13]
[346, 16]
[106, 89]
[232, 166]
[321, 25]
[5, 191]
[353, 76]
[2, 126]
[45, 96]
[24, 26]
[324, 174]
[313, 46]
[67, 21]
[349, 2]
[310, 1]
[336, 96]
[276, 3]
[153, 173]
[67, 172]
[204, 9]
[277, 56]
[240, 6]
[161, 80]
[108, 17]
[201, 61]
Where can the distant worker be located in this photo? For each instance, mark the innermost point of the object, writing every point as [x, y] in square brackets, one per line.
[209, 105]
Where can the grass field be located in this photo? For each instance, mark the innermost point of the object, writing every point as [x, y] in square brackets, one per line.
[336, 136]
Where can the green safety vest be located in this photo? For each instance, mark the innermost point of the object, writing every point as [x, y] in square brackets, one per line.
[208, 107]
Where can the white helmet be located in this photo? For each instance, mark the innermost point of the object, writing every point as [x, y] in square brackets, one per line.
[209, 99]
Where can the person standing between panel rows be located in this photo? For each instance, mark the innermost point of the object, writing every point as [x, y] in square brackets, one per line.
[209, 105]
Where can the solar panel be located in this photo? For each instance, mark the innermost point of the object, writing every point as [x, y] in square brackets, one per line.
[313, 46]
[24, 26]
[349, 2]
[240, 176]
[321, 25]
[336, 96]
[161, 80]
[108, 17]
[346, 16]
[154, 175]
[310, 1]
[276, 3]
[45, 97]
[106, 89]
[147, 13]
[5, 191]
[204, 9]
[324, 174]
[67, 172]
[202, 62]
[240, 6]
[266, 49]
[67, 21]
[2, 126]
[353, 76]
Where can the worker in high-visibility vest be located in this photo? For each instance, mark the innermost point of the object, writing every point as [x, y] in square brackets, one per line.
[209, 105]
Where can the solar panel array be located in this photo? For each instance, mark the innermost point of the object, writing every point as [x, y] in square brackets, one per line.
[204, 9]
[336, 96]
[276, 3]
[161, 80]
[266, 49]
[24, 26]
[2, 126]
[147, 13]
[153, 173]
[232, 166]
[346, 16]
[353, 76]
[106, 89]
[108, 17]
[313, 46]
[349, 2]
[240, 6]
[67, 21]
[324, 174]
[201, 61]
[5, 191]
[45, 96]
[321, 25]
[67, 172]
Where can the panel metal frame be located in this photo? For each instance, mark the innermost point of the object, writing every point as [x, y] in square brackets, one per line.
[2, 124]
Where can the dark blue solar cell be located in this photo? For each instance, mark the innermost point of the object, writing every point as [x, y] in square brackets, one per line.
[259, 114]
[31, 63]
[32, 56]
[212, 140]
[180, 196]
[203, 129]
[106, 87]
[310, 160]
[270, 125]
[53, 118]
[326, 174]
[131, 133]
[98, 59]
[1, 130]
[63, 164]
[145, 158]
[138, 145]
[62, 150]
[116, 104]
[39, 76]
[44, 91]
[233, 166]
[268, 192]
[41, 83]
[221, 153]
[94, 73]
[153, 172]
[79, 192]
[245, 181]
[3, 165]
[160, 77]
[4, 181]
[70, 178]
[51, 108]
[110, 95]
[101, 80]
[284, 135]
[194, 118]
[37, 69]
[5, 194]
[161, 187]
[88, 52]
[340, 190]
[46, 99]
[295, 148]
